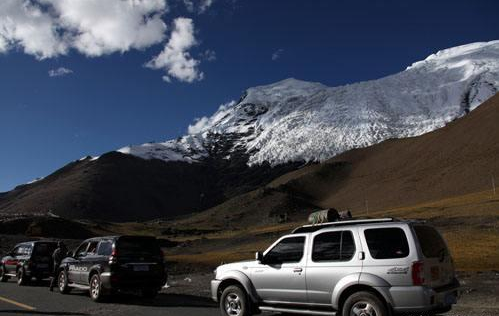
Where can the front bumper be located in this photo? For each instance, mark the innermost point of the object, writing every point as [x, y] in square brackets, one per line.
[215, 284]
[422, 298]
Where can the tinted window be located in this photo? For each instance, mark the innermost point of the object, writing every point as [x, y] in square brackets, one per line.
[137, 246]
[82, 249]
[92, 248]
[44, 249]
[430, 241]
[286, 251]
[24, 250]
[105, 248]
[333, 246]
[387, 243]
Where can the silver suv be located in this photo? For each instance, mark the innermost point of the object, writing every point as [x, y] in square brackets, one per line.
[374, 267]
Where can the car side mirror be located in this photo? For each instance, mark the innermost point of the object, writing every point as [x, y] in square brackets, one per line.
[259, 256]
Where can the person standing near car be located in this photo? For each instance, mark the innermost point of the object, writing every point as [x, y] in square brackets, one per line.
[59, 254]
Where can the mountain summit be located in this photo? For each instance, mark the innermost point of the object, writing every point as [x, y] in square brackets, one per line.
[294, 120]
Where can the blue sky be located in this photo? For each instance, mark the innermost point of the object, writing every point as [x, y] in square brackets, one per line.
[111, 99]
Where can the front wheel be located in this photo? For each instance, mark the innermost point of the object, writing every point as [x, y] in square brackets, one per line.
[62, 282]
[22, 279]
[364, 304]
[234, 302]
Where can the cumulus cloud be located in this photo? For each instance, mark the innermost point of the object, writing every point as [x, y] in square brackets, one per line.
[48, 28]
[277, 54]
[60, 72]
[24, 24]
[175, 58]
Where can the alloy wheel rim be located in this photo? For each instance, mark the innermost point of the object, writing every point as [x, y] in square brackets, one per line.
[62, 281]
[95, 288]
[363, 308]
[233, 304]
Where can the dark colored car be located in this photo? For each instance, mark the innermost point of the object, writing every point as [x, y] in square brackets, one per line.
[105, 265]
[28, 260]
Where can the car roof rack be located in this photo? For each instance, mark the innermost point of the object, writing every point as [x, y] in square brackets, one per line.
[316, 227]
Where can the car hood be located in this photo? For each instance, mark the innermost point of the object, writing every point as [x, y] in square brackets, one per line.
[235, 266]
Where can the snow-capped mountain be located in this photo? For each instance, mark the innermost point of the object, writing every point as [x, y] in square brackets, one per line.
[294, 120]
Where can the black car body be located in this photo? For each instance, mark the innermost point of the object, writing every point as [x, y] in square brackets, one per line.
[105, 265]
[28, 260]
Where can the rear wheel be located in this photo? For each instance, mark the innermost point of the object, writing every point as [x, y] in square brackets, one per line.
[22, 279]
[62, 282]
[96, 288]
[3, 277]
[364, 304]
[234, 302]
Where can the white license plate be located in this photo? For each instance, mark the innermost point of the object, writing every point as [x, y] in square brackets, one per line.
[141, 268]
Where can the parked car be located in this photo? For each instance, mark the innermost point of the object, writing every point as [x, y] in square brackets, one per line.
[106, 265]
[28, 260]
[354, 267]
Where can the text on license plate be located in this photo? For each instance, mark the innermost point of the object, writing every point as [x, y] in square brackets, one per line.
[141, 267]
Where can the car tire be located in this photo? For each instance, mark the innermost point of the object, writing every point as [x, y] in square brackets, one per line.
[62, 282]
[3, 277]
[364, 303]
[22, 279]
[96, 288]
[234, 302]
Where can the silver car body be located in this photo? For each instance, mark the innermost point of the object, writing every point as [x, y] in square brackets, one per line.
[318, 285]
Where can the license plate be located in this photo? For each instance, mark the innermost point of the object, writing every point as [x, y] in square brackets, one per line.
[141, 268]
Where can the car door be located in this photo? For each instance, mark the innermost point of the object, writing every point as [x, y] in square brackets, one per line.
[87, 261]
[280, 277]
[75, 267]
[333, 256]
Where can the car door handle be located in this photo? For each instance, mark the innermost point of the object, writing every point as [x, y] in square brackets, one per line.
[298, 270]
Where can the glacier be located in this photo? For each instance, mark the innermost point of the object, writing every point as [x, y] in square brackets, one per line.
[294, 120]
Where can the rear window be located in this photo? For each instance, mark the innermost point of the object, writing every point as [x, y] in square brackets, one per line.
[387, 243]
[44, 249]
[137, 246]
[431, 242]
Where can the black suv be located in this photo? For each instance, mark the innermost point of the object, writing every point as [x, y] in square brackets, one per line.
[105, 265]
[28, 260]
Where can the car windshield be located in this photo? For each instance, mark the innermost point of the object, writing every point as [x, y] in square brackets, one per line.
[132, 246]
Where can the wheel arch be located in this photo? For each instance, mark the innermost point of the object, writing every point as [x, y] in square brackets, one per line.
[240, 279]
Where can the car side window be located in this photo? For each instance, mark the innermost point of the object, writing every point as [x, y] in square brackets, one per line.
[288, 250]
[81, 250]
[387, 243]
[15, 251]
[92, 248]
[105, 248]
[333, 246]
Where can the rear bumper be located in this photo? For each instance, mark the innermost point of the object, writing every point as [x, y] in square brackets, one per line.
[215, 284]
[422, 298]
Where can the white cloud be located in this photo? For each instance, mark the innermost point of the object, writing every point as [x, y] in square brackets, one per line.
[24, 24]
[204, 123]
[48, 28]
[277, 54]
[199, 6]
[208, 55]
[200, 125]
[60, 72]
[175, 58]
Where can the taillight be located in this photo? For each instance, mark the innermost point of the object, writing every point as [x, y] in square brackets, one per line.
[114, 256]
[418, 273]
